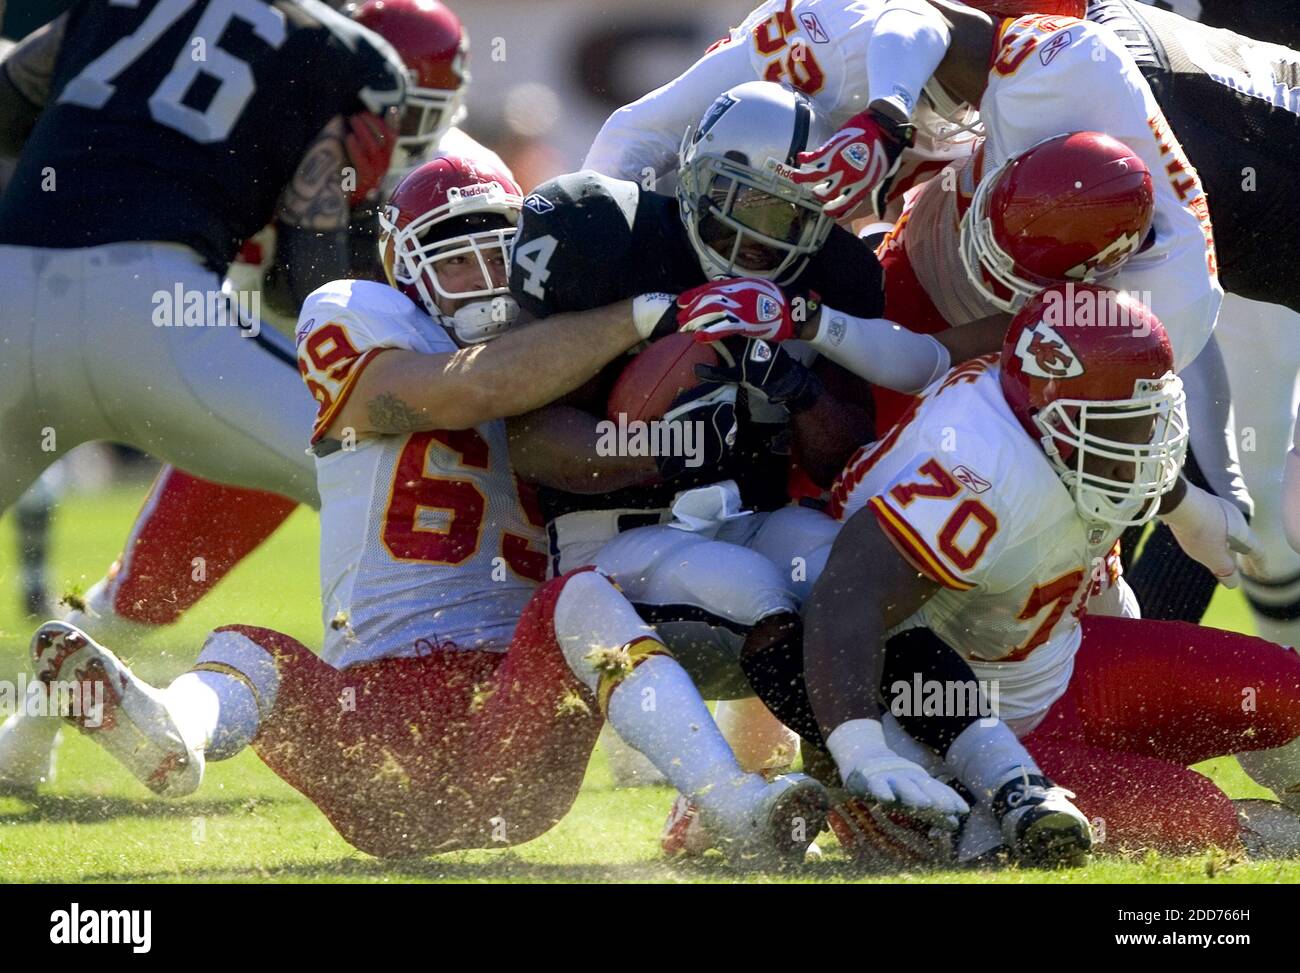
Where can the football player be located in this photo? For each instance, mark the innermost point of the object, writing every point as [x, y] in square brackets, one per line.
[1098, 228]
[186, 158]
[862, 64]
[984, 518]
[153, 582]
[455, 703]
[1231, 100]
[710, 597]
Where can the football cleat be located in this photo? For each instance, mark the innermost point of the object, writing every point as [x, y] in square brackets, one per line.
[684, 834]
[1040, 825]
[100, 696]
[882, 838]
[781, 826]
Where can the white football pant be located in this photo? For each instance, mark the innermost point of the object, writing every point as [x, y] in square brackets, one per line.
[83, 359]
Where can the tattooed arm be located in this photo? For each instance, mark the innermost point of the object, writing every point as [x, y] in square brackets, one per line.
[524, 369]
[311, 224]
[25, 83]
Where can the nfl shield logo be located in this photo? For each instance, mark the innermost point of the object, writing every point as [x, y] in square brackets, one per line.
[768, 309]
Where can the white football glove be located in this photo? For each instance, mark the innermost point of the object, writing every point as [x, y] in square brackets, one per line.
[874, 772]
[1210, 530]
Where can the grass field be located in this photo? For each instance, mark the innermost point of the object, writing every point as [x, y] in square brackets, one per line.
[97, 824]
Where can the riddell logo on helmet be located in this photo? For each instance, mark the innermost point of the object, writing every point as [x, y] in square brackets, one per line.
[1044, 354]
[469, 192]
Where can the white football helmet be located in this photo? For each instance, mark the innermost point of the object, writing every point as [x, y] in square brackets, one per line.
[744, 215]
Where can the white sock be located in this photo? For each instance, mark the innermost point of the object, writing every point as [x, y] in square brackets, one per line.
[655, 707]
[220, 703]
[658, 710]
[986, 757]
[26, 745]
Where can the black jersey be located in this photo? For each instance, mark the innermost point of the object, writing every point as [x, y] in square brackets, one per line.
[587, 240]
[1276, 21]
[183, 120]
[1234, 104]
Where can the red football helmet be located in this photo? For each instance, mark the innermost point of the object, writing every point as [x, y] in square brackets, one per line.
[1071, 208]
[1023, 8]
[447, 209]
[1079, 355]
[435, 49]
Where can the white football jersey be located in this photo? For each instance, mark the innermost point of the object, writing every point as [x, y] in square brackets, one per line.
[816, 46]
[1053, 75]
[970, 499]
[425, 541]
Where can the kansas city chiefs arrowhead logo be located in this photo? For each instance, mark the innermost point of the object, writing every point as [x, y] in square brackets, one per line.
[1116, 253]
[1044, 354]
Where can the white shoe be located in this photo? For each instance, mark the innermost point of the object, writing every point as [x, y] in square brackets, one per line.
[782, 824]
[27, 748]
[123, 714]
[1039, 824]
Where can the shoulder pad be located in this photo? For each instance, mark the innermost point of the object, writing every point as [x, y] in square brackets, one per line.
[573, 244]
[377, 69]
[370, 314]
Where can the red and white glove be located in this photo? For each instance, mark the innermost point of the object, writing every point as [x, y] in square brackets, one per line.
[370, 141]
[858, 162]
[1210, 530]
[744, 307]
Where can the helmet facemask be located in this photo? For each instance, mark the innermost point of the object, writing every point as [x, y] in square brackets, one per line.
[1073, 432]
[427, 116]
[944, 119]
[733, 211]
[411, 256]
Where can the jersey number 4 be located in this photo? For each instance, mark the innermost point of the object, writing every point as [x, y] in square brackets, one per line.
[199, 55]
[462, 502]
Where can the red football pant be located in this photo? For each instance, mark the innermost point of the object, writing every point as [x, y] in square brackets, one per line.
[448, 751]
[155, 581]
[1149, 698]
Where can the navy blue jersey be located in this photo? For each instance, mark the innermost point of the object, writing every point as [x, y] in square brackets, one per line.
[1234, 104]
[586, 240]
[183, 120]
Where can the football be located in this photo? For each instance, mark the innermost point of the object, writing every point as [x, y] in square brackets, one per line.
[656, 376]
